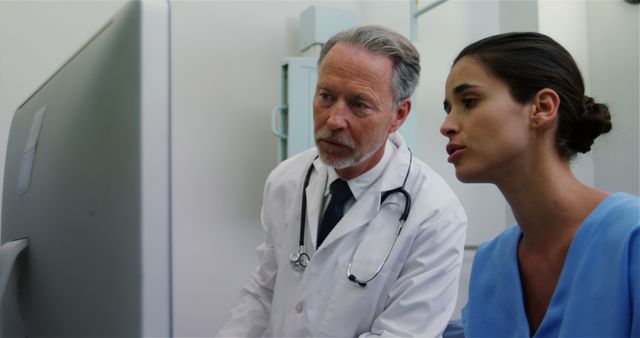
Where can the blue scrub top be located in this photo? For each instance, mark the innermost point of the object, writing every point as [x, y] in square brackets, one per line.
[598, 292]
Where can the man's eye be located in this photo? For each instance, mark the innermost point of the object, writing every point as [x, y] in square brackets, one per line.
[359, 106]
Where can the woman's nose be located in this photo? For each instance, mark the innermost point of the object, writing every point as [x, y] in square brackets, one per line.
[448, 127]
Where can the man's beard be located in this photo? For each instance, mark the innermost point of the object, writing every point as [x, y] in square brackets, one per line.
[346, 161]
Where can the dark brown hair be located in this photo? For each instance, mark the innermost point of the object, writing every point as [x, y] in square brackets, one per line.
[529, 62]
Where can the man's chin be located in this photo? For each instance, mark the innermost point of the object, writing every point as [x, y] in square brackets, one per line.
[337, 162]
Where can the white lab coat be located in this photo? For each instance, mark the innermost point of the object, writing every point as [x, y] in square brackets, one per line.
[414, 294]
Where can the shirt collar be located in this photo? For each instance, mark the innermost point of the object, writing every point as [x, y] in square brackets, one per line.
[359, 185]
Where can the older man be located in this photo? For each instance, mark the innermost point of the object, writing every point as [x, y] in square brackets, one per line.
[361, 238]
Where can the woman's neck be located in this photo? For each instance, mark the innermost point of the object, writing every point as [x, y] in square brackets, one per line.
[549, 204]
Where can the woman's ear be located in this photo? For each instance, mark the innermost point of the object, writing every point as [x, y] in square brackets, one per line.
[545, 108]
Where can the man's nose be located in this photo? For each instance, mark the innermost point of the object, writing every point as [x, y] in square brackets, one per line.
[338, 114]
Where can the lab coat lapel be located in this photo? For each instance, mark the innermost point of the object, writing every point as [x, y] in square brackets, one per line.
[315, 195]
[368, 206]
[361, 213]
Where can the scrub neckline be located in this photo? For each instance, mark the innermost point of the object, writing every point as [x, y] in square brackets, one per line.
[572, 254]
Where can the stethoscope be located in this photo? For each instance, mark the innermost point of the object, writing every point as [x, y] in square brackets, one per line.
[300, 259]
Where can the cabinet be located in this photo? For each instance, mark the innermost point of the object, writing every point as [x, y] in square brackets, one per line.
[292, 119]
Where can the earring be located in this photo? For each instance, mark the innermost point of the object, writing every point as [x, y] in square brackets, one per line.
[534, 122]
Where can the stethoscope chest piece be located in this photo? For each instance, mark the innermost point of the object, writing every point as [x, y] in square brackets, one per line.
[299, 260]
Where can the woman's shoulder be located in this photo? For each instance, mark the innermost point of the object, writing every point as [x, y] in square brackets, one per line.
[617, 215]
[623, 204]
[619, 211]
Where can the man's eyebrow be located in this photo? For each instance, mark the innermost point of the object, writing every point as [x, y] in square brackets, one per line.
[461, 88]
[363, 97]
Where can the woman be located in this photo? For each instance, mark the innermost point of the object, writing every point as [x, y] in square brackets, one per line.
[516, 115]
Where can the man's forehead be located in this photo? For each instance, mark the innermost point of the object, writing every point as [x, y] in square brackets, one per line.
[345, 60]
[357, 50]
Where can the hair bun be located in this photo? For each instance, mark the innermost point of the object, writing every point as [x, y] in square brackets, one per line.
[595, 121]
[588, 104]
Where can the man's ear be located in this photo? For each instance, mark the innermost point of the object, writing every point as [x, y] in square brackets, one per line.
[544, 108]
[401, 114]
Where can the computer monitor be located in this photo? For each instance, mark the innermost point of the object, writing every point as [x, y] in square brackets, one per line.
[87, 182]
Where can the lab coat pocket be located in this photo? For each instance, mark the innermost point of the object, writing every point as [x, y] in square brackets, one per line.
[352, 308]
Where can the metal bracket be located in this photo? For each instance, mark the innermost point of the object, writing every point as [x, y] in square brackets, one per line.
[415, 13]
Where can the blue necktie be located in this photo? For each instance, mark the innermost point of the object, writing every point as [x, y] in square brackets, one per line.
[340, 194]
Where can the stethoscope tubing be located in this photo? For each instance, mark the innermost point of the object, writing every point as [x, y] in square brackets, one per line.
[300, 259]
[303, 209]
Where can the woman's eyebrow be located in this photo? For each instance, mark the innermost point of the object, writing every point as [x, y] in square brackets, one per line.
[462, 87]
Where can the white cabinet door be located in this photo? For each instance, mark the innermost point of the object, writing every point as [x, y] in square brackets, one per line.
[298, 81]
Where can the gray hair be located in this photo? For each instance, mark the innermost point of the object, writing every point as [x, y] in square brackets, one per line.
[380, 40]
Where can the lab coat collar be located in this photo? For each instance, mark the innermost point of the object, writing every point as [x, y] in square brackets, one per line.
[397, 168]
[361, 184]
[367, 207]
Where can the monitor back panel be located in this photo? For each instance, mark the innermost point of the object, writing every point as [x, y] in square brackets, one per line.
[73, 187]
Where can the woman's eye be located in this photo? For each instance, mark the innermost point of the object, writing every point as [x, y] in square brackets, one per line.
[469, 102]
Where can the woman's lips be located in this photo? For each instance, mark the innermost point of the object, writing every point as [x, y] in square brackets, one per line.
[454, 151]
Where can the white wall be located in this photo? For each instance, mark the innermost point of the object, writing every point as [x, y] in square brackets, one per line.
[614, 65]
[225, 82]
